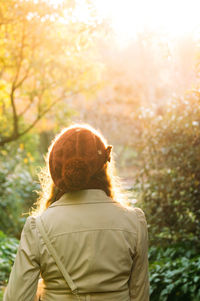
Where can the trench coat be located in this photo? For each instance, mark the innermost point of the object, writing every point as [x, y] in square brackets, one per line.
[102, 245]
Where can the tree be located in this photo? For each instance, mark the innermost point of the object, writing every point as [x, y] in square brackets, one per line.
[47, 55]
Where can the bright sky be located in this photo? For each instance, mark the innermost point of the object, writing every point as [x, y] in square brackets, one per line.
[175, 17]
[128, 17]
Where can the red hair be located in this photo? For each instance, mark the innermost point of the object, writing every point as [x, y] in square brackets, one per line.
[103, 178]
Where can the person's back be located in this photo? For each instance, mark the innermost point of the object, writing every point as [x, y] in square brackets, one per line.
[101, 244]
[97, 244]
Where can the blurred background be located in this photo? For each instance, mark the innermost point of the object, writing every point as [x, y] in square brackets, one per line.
[131, 69]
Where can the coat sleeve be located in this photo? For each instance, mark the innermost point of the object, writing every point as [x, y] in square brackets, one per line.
[22, 284]
[139, 279]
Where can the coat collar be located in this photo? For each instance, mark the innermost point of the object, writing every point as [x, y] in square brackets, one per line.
[86, 196]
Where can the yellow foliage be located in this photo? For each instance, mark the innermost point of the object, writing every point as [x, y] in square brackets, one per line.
[44, 59]
[21, 146]
[30, 157]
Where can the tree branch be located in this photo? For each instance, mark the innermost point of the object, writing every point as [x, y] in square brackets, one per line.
[13, 137]
[40, 115]
[21, 56]
[25, 109]
[15, 117]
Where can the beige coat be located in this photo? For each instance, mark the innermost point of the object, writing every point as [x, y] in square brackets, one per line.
[102, 245]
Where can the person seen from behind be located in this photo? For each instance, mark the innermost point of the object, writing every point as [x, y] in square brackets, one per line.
[82, 241]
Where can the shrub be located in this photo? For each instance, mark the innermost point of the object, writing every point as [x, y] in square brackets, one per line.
[8, 249]
[17, 187]
[169, 178]
[174, 274]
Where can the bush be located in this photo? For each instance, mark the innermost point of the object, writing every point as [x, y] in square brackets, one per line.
[8, 249]
[17, 186]
[174, 274]
[169, 178]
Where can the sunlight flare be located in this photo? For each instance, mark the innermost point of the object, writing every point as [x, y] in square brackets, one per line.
[128, 17]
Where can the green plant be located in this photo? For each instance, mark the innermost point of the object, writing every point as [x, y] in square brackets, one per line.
[8, 249]
[168, 181]
[1, 295]
[174, 273]
[17, 185]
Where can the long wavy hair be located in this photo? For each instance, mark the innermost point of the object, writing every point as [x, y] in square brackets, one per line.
[105, 179]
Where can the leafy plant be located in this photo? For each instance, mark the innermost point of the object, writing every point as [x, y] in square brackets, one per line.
[17, 185]
[168, 181]
[8, 249]
[174, 273]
